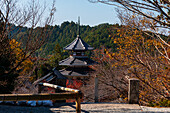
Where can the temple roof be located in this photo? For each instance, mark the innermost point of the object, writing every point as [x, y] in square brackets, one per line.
[55, 74]
[76, 71]
[78, 44]
[77, 61]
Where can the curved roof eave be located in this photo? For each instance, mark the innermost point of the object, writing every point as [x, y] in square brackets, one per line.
[78, 44]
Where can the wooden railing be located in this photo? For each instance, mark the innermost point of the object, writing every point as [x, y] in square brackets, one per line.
[72, 94]
[58, 87]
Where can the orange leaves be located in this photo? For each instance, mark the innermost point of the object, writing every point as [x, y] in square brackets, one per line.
[27, 64]
[16, 47]
[113, 54]
[14, 44]
[136, 51]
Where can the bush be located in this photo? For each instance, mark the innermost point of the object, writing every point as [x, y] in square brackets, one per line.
[161, 103]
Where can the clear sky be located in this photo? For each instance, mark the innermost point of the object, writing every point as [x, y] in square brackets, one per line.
[90, 13]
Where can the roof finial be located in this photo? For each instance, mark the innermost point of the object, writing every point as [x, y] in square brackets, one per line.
[78, 27]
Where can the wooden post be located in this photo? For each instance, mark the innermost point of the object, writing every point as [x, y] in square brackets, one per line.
[78, 105]
[96, 89]
[133, 93]
[39, 87]
[60, 82]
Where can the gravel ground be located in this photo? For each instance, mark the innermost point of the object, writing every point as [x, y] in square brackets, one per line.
[99, 108]
[152, 109]
[86, 108]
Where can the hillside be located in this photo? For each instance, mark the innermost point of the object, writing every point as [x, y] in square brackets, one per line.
[96, 36]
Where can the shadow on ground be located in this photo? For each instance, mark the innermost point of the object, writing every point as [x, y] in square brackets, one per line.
[85, 108]
[23, 109]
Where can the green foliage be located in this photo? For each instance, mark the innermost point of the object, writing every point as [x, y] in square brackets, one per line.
[44, 69]
[56, 56]
[67, 32]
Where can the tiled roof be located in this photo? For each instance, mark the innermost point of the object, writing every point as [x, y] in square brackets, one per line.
[78, 44]
[76, 61]
[76, 71]
[51, 76]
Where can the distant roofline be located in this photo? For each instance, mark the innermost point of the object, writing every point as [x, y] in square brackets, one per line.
[77, 40]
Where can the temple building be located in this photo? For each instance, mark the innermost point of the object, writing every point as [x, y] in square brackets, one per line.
[78, 64]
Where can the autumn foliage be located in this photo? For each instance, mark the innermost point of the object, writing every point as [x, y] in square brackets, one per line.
[137, 53]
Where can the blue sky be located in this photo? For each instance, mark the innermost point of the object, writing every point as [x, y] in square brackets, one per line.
[90, 13]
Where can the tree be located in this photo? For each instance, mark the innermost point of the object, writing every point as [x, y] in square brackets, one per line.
[15, 53]
[143, 46]
[112, 81]
[160, 8]
[157, 11]
[13, 18]
[56, 57]
[136, 52]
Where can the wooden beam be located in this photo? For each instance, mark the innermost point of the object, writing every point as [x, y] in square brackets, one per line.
[41, 96]
[60, 87]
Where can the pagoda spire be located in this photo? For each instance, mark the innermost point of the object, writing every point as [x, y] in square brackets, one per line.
[78, 27]
[78, 44]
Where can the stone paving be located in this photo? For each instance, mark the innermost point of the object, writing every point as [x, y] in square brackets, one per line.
[99, 108]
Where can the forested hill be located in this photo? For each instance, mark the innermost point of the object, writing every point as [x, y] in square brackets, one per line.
[96, 36]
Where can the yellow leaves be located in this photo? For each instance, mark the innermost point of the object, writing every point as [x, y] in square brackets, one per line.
[16, 49]
[133, 16]
[132, 66]
[110, 56]
[27, 64]
[153, 79]
[31, 78]
[14, 44]
[136, 51]
[107, 52]
[126, 98]
[136, 32]
[41, 49]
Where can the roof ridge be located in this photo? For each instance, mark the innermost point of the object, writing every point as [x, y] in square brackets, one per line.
[74, 45]
[76, 42]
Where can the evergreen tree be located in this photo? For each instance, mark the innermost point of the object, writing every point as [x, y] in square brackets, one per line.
[56, 57]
